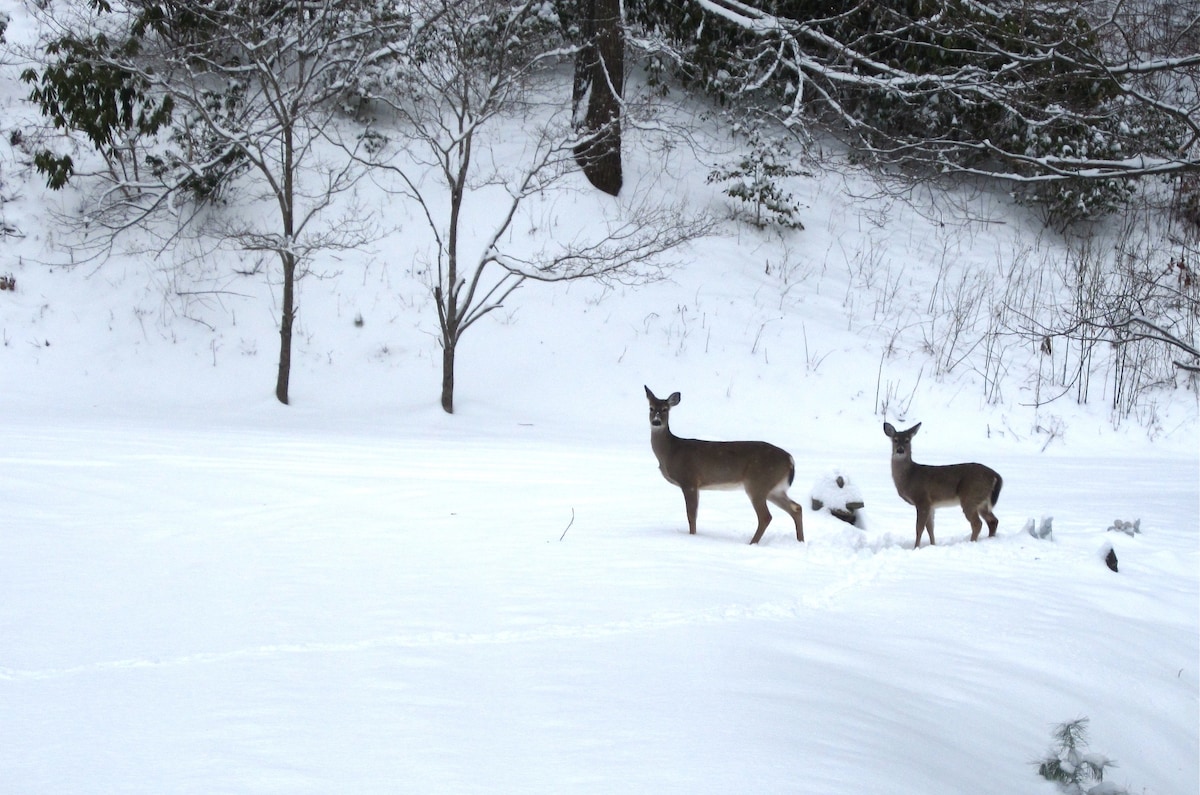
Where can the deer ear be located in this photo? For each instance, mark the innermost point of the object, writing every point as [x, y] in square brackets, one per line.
[673, 400]
[913, 430]
[649, 394]
[888, 430]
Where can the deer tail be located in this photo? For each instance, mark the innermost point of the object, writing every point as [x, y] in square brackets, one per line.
[996, 488]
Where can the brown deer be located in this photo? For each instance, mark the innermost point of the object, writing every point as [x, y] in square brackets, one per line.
[762, 469]
[974, 487]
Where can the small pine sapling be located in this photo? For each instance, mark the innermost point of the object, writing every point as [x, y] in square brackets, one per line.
[1069, 764]
[754, 181]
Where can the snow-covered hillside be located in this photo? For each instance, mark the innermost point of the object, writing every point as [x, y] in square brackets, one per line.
[202, 590]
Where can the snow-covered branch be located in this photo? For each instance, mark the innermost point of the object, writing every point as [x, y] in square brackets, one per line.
[1039, 93]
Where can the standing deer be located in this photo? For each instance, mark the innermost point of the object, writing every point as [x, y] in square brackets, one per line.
[762, 469]
[974, 487]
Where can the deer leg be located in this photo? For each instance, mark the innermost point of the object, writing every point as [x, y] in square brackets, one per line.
[792, 507]
[691, 500]
[972, 513]
[764, 516]
[992, 521]
[924, 521]
[976, 523]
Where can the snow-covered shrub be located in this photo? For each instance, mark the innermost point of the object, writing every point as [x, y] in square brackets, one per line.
[1065, 202]
[1128, 528]
[927, 86]
[1043, 531]
[836, 493]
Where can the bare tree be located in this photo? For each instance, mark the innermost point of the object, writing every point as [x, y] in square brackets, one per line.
[467, 65]
[1135, 303]
[183, 98]
[1123, 314]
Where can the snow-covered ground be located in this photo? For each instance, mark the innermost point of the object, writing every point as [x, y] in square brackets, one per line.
[204, 591]
[191, 608]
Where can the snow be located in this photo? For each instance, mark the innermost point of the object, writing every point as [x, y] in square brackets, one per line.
[225, 609]
[204, 591]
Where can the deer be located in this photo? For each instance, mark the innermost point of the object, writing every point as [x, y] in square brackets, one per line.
[763, 470]
[973, 487]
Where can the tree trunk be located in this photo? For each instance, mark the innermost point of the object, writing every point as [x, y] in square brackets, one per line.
[287, 196]
[448, 375]
[599, 80]
[285, 328]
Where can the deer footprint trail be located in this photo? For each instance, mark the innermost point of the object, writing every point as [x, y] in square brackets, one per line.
[859, 574]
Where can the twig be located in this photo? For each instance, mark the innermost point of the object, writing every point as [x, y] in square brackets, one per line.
[568, 527]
